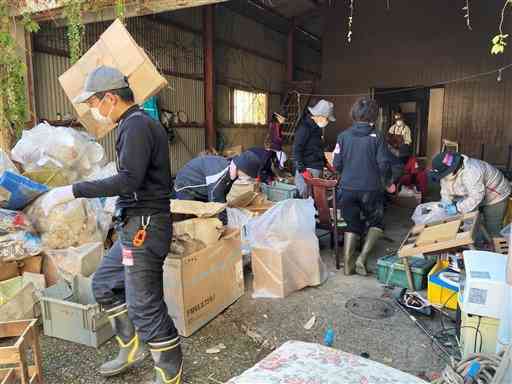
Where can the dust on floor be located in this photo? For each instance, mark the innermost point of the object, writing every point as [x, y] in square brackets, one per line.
[252, 328]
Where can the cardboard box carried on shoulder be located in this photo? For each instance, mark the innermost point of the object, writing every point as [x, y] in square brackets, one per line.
[199, 286]
[115, 48]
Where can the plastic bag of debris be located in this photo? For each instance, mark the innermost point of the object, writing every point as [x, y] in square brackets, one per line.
[70, 154]
[19, 245]
[109, 170]
[67, 225]
[285, 250]
[429, 213]
[6, 164]
[13, 221]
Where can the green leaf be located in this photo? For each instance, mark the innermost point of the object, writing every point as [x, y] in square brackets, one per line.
[495, 39]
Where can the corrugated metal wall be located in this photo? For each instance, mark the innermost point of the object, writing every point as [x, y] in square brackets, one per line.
[417, 45]
[177, 51]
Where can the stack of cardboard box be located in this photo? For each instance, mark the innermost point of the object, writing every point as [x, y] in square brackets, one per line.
[203, 274]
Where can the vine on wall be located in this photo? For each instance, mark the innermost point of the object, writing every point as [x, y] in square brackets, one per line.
[13, 102]
[76, 28]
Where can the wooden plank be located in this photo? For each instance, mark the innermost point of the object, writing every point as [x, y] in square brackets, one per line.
[438, 233]
[31, 371]
[36, 352]
[412, 245]
[9, 355]
[13, 328]
[9, 377]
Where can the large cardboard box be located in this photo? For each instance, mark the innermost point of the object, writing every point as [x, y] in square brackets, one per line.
[199, 286]
[280, 272]
[115, 48]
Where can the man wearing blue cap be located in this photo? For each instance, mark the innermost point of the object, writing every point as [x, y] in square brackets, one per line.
[129, 281]
[469, 184]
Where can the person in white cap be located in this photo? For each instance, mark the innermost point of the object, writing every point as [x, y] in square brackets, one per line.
[129, 281]
[308, 146]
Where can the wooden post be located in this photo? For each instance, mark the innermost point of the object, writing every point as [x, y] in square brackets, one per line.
[209, 80]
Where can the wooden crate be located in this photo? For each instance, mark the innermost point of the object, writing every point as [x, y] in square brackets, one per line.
[14, 356]
[454, 232]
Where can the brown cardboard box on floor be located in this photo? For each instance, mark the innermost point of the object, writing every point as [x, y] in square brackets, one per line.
[199, 286]
[11, 269]
[115, 48]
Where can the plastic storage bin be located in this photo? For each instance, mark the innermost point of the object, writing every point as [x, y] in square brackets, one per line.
[73, 314]
[391, 271]
[442, 291]
[279, 191]
[16, 191]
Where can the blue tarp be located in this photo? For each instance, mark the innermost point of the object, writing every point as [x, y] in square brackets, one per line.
[17, 191]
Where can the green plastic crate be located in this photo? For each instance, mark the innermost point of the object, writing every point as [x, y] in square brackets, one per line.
[279, 191]
[391, 271]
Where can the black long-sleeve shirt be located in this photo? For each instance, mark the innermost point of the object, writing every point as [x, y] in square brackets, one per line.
[143, 179]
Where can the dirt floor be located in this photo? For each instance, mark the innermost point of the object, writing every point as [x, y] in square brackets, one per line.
[252, 328]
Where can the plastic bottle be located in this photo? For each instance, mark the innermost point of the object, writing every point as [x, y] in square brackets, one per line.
[329, 337]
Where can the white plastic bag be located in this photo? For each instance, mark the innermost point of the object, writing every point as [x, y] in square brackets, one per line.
[6, 164]
[430, 212]
[74, 153]
[109, 170]
[285, 250]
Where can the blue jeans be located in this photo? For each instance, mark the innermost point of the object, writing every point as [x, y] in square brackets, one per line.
[141, 284]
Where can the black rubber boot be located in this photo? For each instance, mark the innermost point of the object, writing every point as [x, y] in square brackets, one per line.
[130, 348]
[350, 242]
[168, 361]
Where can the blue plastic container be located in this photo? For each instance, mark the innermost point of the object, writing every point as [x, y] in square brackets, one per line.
[17, 191]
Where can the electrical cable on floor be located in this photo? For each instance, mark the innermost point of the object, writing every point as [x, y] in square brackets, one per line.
[457, 374]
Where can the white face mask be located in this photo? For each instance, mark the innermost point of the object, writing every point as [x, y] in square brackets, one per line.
[103, 120]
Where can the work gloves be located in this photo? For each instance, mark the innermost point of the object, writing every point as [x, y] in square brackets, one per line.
[56, 197]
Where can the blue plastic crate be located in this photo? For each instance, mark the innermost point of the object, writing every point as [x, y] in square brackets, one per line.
[17, 191]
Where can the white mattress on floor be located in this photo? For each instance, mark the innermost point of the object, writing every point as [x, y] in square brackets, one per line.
[297, 362]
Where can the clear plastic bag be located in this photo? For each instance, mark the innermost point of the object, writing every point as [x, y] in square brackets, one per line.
[109, 170]
[285, 250]
[430, 212]
[67, 225]
[13, 221]
[6, 164]
[72, 154]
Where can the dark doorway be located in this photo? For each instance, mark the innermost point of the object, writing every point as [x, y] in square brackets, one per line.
[413, 104]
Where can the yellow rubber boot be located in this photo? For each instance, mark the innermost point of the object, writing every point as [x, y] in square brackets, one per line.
[168, 361]
[130, 348]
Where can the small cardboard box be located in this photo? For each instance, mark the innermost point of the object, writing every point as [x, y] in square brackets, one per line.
[199, 286]
[115, 48]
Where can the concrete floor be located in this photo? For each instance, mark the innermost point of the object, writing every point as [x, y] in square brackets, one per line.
[252, 328]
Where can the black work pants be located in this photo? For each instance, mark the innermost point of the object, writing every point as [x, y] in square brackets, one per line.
[361, 209]
[140, 285]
